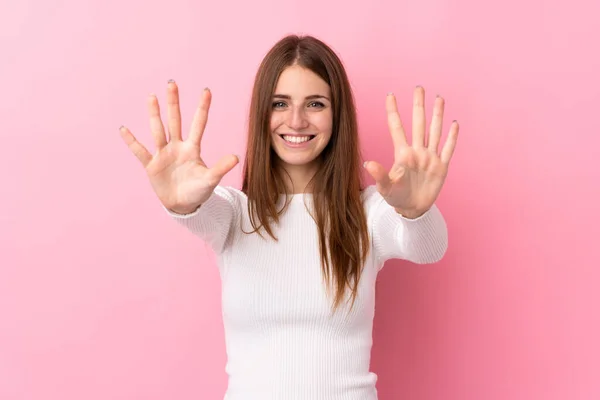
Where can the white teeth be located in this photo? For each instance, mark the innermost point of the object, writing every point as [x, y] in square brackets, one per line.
[296, 139]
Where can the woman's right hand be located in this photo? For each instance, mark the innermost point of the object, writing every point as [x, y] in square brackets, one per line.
[179, 177]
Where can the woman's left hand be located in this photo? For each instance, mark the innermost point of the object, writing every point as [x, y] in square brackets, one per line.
[419, 171]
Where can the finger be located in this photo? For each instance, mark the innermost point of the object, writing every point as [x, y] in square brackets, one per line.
[156, 126]
[435, 130]
[223, 166]
[418, 118]
[173, 111]
[136, 147]
[450, 145]
[200, 118]
[395, 123]
[382, 179]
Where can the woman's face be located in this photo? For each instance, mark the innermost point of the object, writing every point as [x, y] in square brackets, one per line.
[302, 117]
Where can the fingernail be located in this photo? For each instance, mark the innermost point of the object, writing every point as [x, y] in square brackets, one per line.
[121, 127]
[207, 89]
[171, 81]
[390, 93]
[365, 164]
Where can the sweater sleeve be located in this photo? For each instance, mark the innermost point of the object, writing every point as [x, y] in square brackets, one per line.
[422, 240]
[214, 220]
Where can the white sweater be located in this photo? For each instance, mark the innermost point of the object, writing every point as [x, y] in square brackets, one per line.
[282, 341]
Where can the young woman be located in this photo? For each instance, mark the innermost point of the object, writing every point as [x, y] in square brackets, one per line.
[300, 245]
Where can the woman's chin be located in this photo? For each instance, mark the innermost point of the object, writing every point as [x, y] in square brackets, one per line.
[297, 161]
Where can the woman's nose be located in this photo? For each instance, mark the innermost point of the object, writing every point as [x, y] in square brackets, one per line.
[297, 119]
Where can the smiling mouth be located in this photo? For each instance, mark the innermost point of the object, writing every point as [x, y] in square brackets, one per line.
[297, 138]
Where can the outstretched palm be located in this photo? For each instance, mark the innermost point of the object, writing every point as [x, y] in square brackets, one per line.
[180, 178]
[416, 178]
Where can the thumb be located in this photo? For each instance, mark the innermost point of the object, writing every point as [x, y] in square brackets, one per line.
[224, 165]
[380, 175]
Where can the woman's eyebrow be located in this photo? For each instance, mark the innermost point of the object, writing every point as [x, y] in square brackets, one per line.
[311, 97]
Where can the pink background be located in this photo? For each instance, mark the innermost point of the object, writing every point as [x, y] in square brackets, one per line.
[102, 296]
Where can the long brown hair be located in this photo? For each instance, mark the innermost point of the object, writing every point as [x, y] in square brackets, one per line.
[336, 187]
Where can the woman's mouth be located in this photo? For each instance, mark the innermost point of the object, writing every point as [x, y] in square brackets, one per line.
[297, 139]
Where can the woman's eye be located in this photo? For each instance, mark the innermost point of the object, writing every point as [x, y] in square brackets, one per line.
[312, 104]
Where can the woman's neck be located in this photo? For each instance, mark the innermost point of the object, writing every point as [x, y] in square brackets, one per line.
[297, 177]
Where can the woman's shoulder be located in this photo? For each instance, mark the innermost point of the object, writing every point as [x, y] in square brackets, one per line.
[230, 191]
[231, 194]
[371, 198]
[370, 194]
